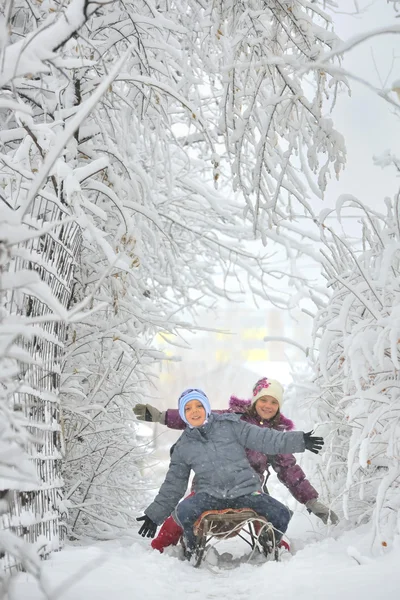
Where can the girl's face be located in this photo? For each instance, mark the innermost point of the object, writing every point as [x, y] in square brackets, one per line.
[195, 413]
[267, 407]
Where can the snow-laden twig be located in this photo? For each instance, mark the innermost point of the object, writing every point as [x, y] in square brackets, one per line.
[30, 54]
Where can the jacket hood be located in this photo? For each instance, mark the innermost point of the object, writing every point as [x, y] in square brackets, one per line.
[239, 405]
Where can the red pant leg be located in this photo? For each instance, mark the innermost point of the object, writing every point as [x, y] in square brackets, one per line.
[169, 534]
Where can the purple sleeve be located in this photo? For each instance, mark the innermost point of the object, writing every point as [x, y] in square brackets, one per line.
[293, 477]
[174, 421]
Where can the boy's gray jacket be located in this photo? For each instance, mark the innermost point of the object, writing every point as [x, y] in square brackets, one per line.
[216, 453]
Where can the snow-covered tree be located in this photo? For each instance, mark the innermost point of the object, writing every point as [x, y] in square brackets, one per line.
[29, 432]
[357, 336]
[100, 103]
[156, 236]
[268, 119]
[16, 471]
[40, 244]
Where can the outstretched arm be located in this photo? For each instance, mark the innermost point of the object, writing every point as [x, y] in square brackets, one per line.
[170, 417]
[294, 478]
[269, 441]
[151, 414]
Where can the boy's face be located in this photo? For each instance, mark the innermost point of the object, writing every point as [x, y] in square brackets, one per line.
[195, 413]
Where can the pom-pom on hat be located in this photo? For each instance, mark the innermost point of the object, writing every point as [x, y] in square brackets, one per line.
[268, 387]
[193, 394]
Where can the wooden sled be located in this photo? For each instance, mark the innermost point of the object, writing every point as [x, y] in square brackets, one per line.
[243, 522]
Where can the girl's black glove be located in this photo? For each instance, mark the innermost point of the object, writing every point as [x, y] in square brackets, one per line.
[313, 443]
[148, 528]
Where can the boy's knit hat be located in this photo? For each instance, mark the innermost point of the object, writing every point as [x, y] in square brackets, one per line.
[193, 394]
[268, 387]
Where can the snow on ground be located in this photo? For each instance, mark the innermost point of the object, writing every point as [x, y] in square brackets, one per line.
[128, 569]
[326, 563]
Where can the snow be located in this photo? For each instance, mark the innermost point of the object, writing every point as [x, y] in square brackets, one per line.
[325, 562]
[325, 568]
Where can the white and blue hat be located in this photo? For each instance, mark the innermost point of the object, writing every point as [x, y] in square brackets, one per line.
[193, 394]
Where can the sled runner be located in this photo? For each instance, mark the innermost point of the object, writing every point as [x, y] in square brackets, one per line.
[243, 522]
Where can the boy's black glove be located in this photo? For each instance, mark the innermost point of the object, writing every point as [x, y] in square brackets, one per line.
[148, 528]
[313, 443]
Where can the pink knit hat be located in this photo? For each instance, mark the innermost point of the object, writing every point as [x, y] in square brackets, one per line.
[268, 387]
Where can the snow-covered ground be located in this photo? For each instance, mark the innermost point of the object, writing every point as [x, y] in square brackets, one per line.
[321, 568]
[326, 563]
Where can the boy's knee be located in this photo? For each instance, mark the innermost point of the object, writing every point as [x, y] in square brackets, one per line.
[287, 515]
[180, 512]
[183, 511]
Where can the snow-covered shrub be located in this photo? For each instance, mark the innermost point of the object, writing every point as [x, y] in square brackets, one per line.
[357, 333]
